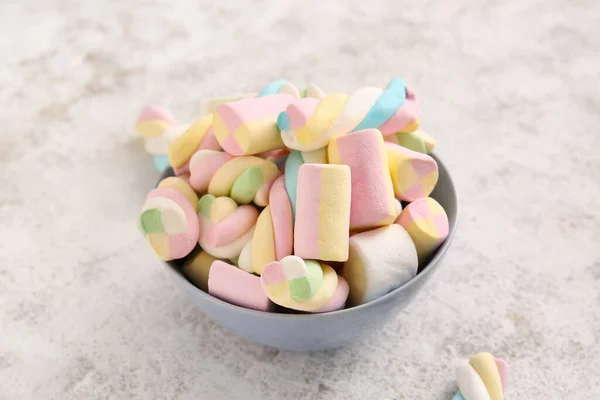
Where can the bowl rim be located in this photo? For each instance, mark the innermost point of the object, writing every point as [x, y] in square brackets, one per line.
[432, 265]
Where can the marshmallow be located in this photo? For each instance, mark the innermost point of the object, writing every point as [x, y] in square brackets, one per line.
[380, 261]
[415, 141]
[238, 287]
[292, 165]
[182, 186]
[273, 236]
[198, 136]
[283, 86]
[169, 222]
[427, 224]
[249, 126]
[209, 106]
[373, 203]
[321, 227]
[244, 179]
[299, 285]
[482, 378]
[196, 267]
[158, 128]
[414, 174]
[225, 228]
[338, 301]
[309, 124]
[153, 121]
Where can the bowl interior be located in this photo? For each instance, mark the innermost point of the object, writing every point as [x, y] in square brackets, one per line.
[445, 193]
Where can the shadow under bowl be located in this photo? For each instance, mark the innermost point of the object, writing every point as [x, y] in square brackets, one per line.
[309, 332]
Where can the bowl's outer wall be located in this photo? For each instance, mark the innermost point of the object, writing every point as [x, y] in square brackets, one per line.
[324, 331]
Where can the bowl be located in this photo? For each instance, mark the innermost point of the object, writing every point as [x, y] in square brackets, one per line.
[309, 332]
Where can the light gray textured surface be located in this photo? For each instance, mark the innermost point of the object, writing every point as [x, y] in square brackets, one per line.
[509, 89]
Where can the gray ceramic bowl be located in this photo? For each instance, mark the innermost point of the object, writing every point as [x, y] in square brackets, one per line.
[304, 332]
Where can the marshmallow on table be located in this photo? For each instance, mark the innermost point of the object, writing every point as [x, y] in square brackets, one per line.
[322, 223]
[298, 284]
[293, 163]
[380, 261]
[225, 227]
[273, 236]
[483, 377]
[249, 126]
[414, 175]
[244, 179]
[308, 124]
[196, 268]
[427, 224]
[198, 135]
[209, 106]
[416, 140]
[238, 287]
[373, 202]
[169, 223]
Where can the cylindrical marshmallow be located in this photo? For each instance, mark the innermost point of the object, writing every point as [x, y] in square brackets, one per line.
[225, 228]
[322, 224]
[169, 223]
[373, 203]
[273, 236]
[238, 287]
[196, 267]
[380, 261]
[309, 124]
[249, 126]
[298, 284]
[415, 141]
[482, 377]
[153, 121]
[180, 184]
[414, 175]
[427, 224]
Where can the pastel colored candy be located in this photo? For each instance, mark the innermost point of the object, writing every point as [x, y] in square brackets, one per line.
[245, 259]
[198, 136]
[299, 285]
[169, 223]
[322, 224]
[284, 86]
[485, 366]
[209, 106]
[160, 144]
[249, 126]
[153, 121]
[414, 175]
[482, 377]
[427, 224]
[373, 202]
[182, 186]
[309, 124]
[160, 162]
[196, 268]
[292, 165]
[244, 179]
[238, 287]
[273, 237]
[380, 261]
[338, 301]
[225, 227]
[416, 141]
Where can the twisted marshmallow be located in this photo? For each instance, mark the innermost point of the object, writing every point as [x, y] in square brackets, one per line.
[244, 179]
[309, 124]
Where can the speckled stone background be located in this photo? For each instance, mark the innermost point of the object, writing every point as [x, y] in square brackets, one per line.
[509, 88]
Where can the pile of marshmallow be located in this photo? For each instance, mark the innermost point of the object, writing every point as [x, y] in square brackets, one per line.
[308, 201]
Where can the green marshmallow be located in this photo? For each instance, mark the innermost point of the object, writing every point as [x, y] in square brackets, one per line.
[246, 185]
